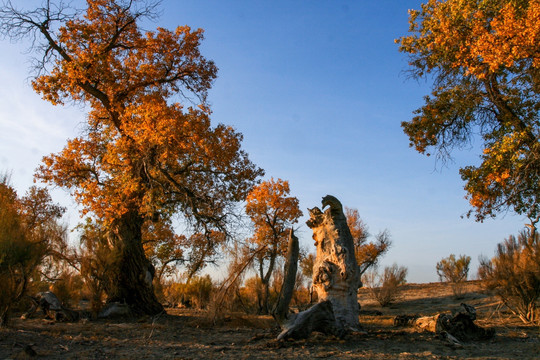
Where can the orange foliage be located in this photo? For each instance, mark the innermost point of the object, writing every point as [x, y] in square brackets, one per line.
[484, 57]
[367, 253]
[481, 38]
[358, 228]
[141, 151]
[272, 212]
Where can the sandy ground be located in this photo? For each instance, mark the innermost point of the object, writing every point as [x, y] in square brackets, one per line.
[186, 334]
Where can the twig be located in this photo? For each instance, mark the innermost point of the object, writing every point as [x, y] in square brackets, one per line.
[154, 319]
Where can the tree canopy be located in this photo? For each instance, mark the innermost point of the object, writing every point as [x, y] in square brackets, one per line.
[484, 58]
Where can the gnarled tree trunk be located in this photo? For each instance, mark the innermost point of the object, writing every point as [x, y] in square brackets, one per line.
[336, 276]
[133, 272]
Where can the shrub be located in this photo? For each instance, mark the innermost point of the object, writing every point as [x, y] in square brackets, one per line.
[199, 291]
[19, 255]
[514, 274]
[454, 271]
[195, 293]
[97, 261]
[251, 294]
[385, 288]
[29, 234]
[172, 293]
[68, 288]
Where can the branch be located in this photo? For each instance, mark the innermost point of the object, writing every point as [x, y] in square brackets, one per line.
[234, 277]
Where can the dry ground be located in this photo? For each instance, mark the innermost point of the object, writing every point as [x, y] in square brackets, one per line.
[184, 334]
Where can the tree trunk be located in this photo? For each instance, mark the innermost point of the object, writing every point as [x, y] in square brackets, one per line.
[131, 278]
[4, 315]
[336, 276]
[265, 280]
[289, 279]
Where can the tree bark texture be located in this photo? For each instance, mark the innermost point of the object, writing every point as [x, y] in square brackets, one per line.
[319, 317]
[336, 276]
[289, 279]
[133, 272]
[264, 307]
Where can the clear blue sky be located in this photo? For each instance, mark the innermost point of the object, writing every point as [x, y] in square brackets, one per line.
[318, 89]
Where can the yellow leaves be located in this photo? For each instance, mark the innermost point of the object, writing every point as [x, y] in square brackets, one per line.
[512, 35]
[484, 57]
[478, 38]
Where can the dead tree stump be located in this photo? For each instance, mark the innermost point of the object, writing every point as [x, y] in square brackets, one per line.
[336, 276]
[281, 310]
[456, 326]
[52, 308]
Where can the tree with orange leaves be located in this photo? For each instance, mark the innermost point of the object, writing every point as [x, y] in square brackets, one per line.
[31, 237]
[144, 155]
[484, 57]
[273, 213]
[367, 253]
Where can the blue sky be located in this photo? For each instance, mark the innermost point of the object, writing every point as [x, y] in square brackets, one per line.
[319, 91]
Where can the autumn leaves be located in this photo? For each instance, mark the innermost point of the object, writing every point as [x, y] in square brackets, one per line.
[484, 58]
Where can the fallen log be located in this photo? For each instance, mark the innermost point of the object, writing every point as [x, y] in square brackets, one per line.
[115, 310]
[52, 308]
[459, 324]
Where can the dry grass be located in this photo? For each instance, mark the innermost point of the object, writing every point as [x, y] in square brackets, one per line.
[186, 334]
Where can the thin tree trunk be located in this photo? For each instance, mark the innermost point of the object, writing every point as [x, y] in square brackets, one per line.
[4, 315]
[266, 281]
[289, 279]
[131, 281]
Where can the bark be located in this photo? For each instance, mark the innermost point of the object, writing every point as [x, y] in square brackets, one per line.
[4, 316]
[319, 317]
[289, 279]
[336, 276]
[131, 281]
[265, 280]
